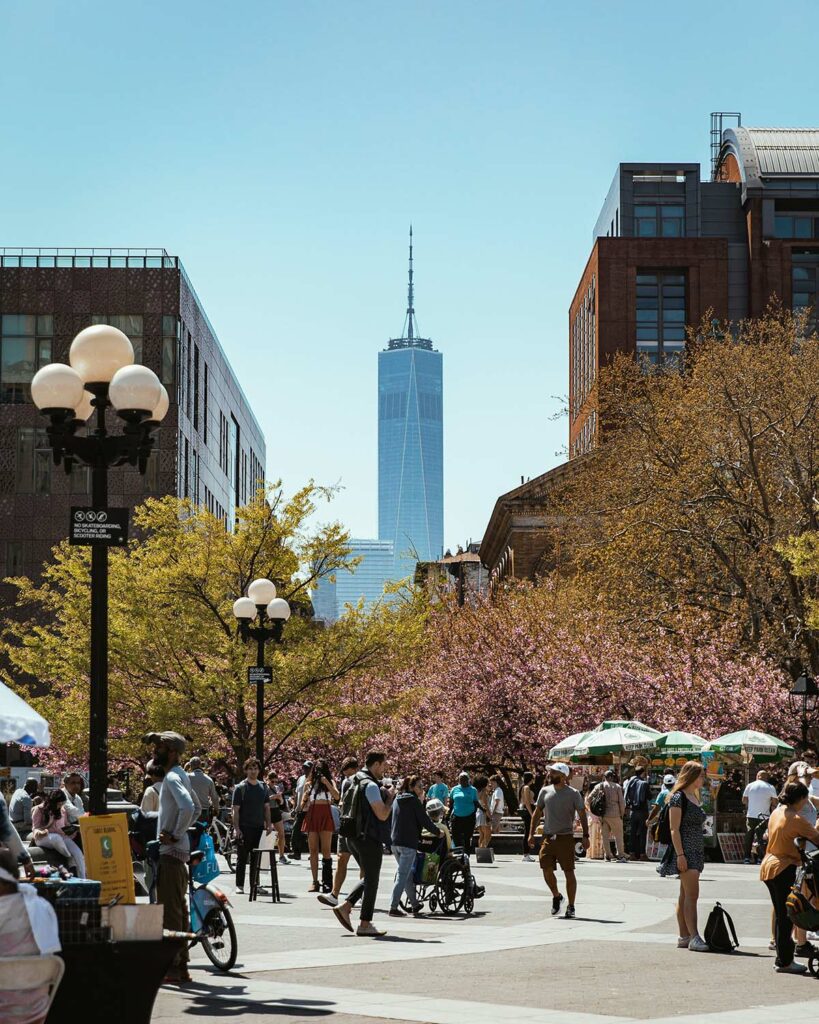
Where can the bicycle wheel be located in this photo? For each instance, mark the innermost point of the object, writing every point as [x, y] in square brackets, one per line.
[219, 938]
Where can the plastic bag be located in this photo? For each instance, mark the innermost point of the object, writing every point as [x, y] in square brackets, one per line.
[208, 867]
[268, 841]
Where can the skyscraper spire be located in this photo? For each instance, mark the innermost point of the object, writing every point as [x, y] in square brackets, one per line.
[410, 296]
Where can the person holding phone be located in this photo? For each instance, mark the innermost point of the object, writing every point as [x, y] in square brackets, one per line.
[317, 802]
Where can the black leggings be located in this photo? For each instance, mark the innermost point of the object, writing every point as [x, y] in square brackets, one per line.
[527, 824]
[368, 854]
[462, 830]
[779, 887]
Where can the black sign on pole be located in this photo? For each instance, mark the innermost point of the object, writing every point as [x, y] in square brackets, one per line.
[260, 674]
[99, 526]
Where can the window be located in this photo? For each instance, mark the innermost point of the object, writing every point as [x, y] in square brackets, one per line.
[130, 324]
[584, 352]
[170, 340]
[25, 346]
[189, 378]
[205, 404]
[15, 557]
[392, 405]
[186, 471]
[804, 278]
[223, 444]
[659, 219]
[195, 387]
[660, 317]
[795, 226]
[33, 461]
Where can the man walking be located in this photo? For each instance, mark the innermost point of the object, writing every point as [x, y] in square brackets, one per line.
[349, 769]
[463, 802]
[177, 812]
[368, 846]
[439, 790]
[204, 789]
[637, 802]
[759, 799]
[612, 823]
[557, 804]
[251, 816]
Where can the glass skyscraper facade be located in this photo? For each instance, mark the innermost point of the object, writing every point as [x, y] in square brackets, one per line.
[411, 446]
[366, 580]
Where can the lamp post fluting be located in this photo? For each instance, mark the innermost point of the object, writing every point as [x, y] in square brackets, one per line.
[261, 617]
[102, 375]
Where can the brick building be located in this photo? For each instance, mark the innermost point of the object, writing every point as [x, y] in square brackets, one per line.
[461, 575]
[209, 448]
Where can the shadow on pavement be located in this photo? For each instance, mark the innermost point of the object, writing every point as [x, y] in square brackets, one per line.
[232, 1001]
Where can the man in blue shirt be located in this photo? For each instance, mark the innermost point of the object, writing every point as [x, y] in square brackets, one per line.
[439, 790]
[463, 802]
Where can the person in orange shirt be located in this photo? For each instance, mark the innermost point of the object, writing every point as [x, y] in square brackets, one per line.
[778, 868]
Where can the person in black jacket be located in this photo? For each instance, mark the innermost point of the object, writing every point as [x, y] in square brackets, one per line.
[408, 820]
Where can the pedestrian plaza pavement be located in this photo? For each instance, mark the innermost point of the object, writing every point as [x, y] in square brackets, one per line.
[511, 961]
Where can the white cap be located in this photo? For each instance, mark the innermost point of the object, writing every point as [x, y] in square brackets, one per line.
[668, 780]
[562, 767]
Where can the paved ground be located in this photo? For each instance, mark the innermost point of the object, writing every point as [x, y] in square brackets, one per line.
[511, 961]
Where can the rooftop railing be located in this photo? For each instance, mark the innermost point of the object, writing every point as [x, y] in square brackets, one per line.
[30, 256]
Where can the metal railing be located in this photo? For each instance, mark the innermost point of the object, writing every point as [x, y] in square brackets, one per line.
[107, 257]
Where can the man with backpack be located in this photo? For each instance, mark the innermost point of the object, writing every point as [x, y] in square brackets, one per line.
[607, 803]
[365, 810]
[636, 798]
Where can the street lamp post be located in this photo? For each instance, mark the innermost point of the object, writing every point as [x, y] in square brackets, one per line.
[261, 617]
[804, 700]
[101, 375]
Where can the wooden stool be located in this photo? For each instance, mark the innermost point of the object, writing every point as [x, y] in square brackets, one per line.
[256, 870]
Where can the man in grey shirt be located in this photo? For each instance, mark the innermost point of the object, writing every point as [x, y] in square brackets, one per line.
[177, 812]
[203, 787]
[20, 806]
[557, 804]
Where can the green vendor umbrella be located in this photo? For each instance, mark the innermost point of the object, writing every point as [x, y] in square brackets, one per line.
[676, 742]
[566, 747]
[615, 740]
[752, 744]
[628, 723]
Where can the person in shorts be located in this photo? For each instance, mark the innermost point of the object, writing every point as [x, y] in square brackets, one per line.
[349, 767]
[557, 804]
[276, 790]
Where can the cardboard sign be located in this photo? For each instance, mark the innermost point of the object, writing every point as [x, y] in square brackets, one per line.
[108, 855]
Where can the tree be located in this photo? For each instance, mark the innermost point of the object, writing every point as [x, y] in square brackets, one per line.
[701, 477]
[175, 658]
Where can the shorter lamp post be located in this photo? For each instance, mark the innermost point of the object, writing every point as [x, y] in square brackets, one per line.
[804, 701]
[102, 375]
[261, 617]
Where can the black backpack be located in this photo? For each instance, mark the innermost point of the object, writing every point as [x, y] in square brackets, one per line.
[597, 801]
[351, 824]
[720, 933]
[661, 831]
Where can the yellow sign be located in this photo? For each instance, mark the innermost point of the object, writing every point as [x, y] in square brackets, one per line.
[108, 855]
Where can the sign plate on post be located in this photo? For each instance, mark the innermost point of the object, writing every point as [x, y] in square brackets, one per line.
[260, 674]
[106, 526]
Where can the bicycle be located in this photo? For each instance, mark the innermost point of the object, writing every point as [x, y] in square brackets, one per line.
[223, 841]
[211, 920]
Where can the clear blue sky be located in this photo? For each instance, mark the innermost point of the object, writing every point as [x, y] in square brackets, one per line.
[281, 150]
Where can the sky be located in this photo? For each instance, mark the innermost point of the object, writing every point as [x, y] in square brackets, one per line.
[281, 150]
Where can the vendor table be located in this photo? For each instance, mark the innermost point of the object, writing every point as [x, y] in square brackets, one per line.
[111, 981]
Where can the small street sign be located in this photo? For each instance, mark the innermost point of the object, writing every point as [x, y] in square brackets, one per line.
[260, 674]
[99, 526]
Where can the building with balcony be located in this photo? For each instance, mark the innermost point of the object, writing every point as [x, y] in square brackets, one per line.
[209, 448]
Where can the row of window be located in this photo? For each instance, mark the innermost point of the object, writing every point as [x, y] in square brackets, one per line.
[392, 405]
[584, 350]
[584, 442]
[659, 220]
[661, 316]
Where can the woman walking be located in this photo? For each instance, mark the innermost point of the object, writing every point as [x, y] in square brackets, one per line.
[483, 820]
[686, 855]
[409, 819]
[526, 806]
[778, 868]
[49, 822]
[319, 794]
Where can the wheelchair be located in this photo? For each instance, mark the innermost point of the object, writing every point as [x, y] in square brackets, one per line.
[447, 886]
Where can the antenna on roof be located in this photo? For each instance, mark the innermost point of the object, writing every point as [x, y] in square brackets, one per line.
[717, 121]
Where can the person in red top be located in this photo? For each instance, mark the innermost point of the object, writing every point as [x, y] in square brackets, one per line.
[778, 868]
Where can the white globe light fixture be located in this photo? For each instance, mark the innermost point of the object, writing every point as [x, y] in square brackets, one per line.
[97, 353]
[261, 592]
[135, 389]
[161, 407]
[57, 386]
[244, 608]
[85, 408]
[278, 609]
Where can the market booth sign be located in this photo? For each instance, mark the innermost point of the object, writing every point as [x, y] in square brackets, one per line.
[108, 855]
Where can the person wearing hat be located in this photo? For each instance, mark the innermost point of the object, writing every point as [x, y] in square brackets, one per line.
[659, 802]
[557, 804]
[177, 812]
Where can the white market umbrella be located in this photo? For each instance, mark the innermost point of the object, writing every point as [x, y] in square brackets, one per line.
[20, 723]
[618, 740]
[566, 747]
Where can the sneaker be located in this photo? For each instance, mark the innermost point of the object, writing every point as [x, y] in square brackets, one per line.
[622, 860]
[261, 891]
[747, 860]
[418, 911]
[569, 914]
[240, 890]
[772, 944]
[396, 912]
[698, 945]
[528, 857]
[682, 941]
[369, 930]
[343, 916]
[792, 968]
[804, 949]
[283, 860]
[328, 899]
[556, 901]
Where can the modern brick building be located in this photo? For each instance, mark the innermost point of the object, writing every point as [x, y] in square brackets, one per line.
[210, 447]
[668, 250]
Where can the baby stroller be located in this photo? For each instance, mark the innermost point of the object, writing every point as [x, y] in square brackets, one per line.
[444, 881]
[803, 900]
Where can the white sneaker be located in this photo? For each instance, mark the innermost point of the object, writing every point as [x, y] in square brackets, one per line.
[528, 856]
[682, 941]
[792, 968]
[239, 890]
[698, 945]
[328, 899]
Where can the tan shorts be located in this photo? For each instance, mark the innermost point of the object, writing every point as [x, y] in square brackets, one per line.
[558, 850]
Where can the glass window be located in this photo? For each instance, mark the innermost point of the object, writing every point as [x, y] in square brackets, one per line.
[660, 315]
[170, 334]
[33, 469]
[25, 346]
[15, 557]
[804, 278]
[802, 227]
[130, 324]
